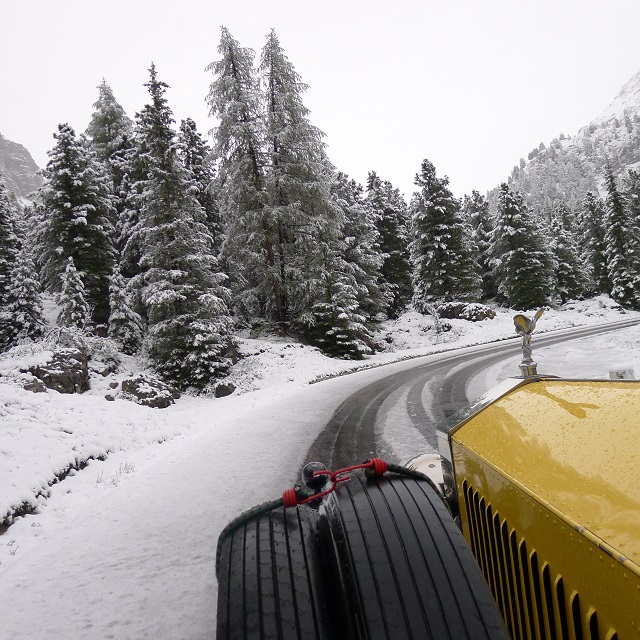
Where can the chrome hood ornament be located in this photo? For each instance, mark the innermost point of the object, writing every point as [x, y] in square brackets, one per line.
[525, 327]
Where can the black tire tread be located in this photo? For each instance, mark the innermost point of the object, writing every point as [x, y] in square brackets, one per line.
[407, 564]
[268, 585]
[381, 559]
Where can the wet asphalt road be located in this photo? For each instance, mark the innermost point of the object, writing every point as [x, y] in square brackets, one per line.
[349, 436]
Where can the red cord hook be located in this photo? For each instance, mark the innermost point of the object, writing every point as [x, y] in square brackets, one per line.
[290, 498]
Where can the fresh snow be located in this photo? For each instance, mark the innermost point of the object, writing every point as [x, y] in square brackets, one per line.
[125, 547]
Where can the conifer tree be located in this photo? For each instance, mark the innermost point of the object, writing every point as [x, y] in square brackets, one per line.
[333, 321]
[282, 223]
[621, 250]
[593, 243]
[196, 157]
[631, 196]
[125, 325]
[133, 181]
[24, 302]
[74, 312]
[389, 212]
[111, 133]
[180, 284]
[76, 210]
[570, 278]
[8, 252]
[297, 181]
[248, 252]
[109, 124]
[301, 214]
[312, 277]
[520, 263]
[443, 267]
[362, 248]
[475, 212]
[8, 240]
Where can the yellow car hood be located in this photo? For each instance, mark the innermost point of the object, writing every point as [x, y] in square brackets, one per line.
[573, 445]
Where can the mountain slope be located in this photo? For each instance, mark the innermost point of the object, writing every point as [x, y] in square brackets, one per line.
[18, 169]
[567, 168]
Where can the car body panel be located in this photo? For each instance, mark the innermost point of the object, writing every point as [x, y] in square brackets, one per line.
[548, 480]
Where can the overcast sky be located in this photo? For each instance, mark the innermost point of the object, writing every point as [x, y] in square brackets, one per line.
[472, 85]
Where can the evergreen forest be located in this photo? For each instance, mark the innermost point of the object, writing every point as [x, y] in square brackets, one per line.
[170, 242]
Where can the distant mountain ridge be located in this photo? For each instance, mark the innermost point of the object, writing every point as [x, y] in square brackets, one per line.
[568, 167]
[627, 101]
[18, 169]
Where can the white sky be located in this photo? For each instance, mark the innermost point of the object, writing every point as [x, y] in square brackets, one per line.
[472, 85]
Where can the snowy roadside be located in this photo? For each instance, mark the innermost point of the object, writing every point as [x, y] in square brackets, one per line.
[46, 436]
[125, 548]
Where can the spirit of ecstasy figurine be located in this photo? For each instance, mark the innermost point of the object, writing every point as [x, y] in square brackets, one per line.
[525, 327]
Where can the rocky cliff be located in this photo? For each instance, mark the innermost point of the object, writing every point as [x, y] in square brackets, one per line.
[18, 169]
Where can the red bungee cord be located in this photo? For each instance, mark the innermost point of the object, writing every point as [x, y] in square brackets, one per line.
[290, 498]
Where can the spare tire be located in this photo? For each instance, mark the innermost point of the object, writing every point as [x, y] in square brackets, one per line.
[405, 569]
[269, 579]
[381, 559]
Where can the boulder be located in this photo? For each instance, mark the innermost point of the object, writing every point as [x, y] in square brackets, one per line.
[35, 385]
[66, 372]
[103, 368]
[149, 391]
[223, 390]
[471, 311]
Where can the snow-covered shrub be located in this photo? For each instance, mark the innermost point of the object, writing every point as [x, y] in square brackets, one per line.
[149, 391]
[96, 349]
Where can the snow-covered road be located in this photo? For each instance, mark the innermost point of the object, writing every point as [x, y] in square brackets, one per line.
[139, 563]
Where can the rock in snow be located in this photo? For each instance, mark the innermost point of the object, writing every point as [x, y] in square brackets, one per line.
[66, 372]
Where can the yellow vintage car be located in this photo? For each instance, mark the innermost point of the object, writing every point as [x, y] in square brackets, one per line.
[547, 478]
[525, 525]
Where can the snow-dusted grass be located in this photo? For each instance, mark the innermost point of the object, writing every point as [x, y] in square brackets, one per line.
[125, 546]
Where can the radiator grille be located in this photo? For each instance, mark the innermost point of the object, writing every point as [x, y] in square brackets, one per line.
[536, 603]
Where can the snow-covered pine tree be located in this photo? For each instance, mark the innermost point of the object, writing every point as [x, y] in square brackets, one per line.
[313, 285]
[621, 249]
[333, 322]
[125, 325]
[196, 156]
[109, 124]
[475, 212]
[180, 284]
[111, 133]
[327, 312]
[8, 240]
[362, 248]
[24, 302]
[300, 211]
[8, 251]
[570, 279]
[74, 309]
[248, 253]
[520, 263]
[444, 269]
[76, 211]
[389, 212]
[631, 195]
[592, 242]
[135, 175]
[282, 225]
